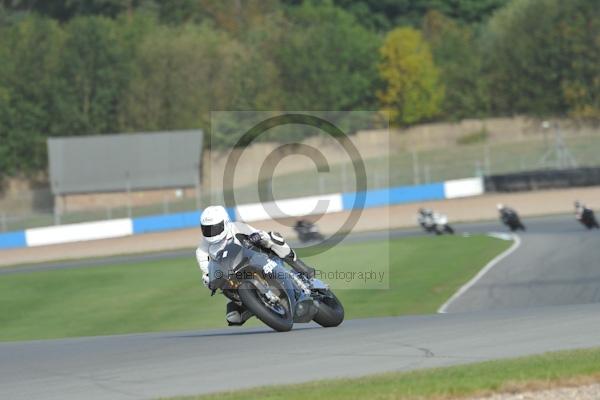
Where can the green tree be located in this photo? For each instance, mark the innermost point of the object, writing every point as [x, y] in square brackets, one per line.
[580, 32]
[177, 12]
[542, 57]
[467, 11]
[383, 15]
[31, 96]
[98, 65]
[64, 10]
[181, 74]
[327, 60]
[5, 113]
[456, 52]
[412, 90]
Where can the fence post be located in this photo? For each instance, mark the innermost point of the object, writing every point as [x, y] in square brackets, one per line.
[415, 162]
[478, 170]
[58, 208]
[165, 204]
[487, 162]
[128, 194]
[344, 177]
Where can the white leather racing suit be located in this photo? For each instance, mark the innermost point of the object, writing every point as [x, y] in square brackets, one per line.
[271, 240]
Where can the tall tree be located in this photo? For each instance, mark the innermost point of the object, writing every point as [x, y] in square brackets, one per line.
[30, 92]
[383, 15]
[580, 32]
[98, 66]
[327, 60]
[456, 52]
[542, 57]
[64, 10]
[412, 91]
[181, 74]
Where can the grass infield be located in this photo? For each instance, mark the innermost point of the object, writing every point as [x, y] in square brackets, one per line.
[567, 368]
[168, 295]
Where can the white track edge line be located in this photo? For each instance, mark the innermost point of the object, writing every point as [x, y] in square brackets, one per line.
[481, 273]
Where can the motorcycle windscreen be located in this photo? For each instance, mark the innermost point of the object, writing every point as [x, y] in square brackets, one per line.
[224, 265]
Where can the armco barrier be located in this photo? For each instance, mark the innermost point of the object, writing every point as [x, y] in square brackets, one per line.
[463, 188]
[11, 240]
[158, 223]
[168, 222]
[330, 203]
[290, 207]
[78, 232]
[397, 195]
[546, 179]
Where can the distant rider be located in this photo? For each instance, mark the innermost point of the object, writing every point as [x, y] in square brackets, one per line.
[425, 217]
[218, 230]
[586, 215]
[506, 213]
[581, 210]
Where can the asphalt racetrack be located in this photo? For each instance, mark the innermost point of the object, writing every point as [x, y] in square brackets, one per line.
[532, 301]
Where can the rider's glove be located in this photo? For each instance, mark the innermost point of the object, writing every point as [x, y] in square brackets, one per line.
[205, 279]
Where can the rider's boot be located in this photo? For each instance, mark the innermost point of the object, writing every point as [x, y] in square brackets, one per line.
[236, 315]
[299, 266]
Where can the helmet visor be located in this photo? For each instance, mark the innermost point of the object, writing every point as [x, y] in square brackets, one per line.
[213, 230]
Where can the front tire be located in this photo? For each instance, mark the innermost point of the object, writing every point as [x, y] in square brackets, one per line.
[251, 298]
[330, 311]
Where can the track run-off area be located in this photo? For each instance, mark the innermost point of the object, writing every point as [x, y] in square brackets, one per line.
[542, 296]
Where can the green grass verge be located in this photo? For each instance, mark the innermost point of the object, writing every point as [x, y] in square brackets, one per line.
[482, 378]
[168, 295]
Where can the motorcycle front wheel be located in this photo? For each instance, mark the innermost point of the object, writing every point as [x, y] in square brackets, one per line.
[278, 317]
[330, 311]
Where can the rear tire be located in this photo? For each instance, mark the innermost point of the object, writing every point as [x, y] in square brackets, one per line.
[330, 311]
[250, 297]
[449, 229]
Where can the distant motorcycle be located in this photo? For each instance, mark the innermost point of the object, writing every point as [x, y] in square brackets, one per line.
[433, 222]
[587, 218]
[511, 219]
[307, 231]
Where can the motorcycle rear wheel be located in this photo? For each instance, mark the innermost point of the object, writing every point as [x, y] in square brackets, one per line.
[252, 299]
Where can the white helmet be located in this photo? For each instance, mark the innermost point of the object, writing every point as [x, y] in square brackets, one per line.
[500, 206]
[214, 222]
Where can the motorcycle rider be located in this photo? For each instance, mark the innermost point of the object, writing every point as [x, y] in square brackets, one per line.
[218, 230]
[508, 216]
[579, 210]
[433, 221]
[504, 211]
[425, 216]
[307, 231]
[582, 211]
